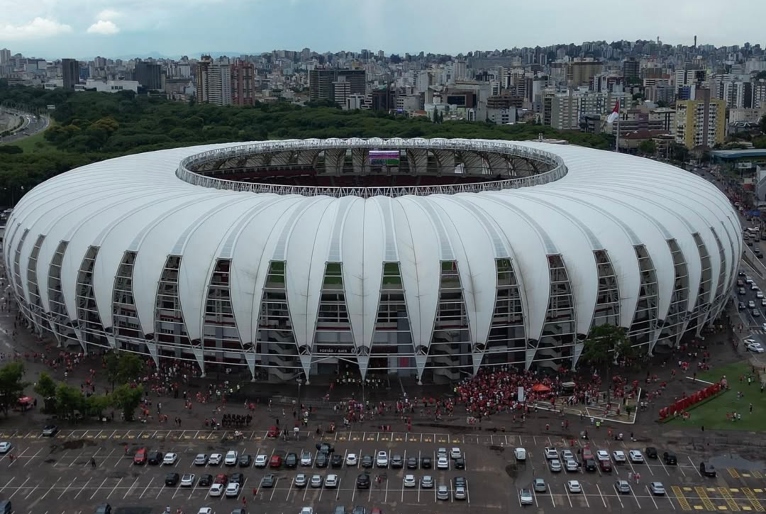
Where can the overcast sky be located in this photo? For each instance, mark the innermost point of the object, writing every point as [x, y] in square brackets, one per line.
[85, 28]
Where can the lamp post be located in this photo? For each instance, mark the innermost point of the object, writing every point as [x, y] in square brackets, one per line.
[299, 381]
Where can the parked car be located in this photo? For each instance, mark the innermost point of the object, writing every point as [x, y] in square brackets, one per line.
[412, 463]
[140, 457]
[605, 465]
[669, 458]
[590, 465]
[187, 480]
[707, 470]
[397, 462]
[261, 460]
[171, 479]
[331, 482]
[657, 488]
[268, 481]
[205, 480]
[275, 462]
[301, 480]
[520, 454]
[622, 487]
[409, 481]
[538, 484]
[154, 458]
[619, 457]
[321, 460]
[200, 459]
[231, 458]
[363, 481]
[635, 456]
[427, 482]
[307, 458]
[170, 459]
[525, 497]
[215, 459]
[50, 430]
[650, 452]
[555, 465]
[351, 460]
[245, 460]
[574, 486]
[336, 461]
[426, 463]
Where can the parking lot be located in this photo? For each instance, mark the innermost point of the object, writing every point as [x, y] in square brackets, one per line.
[56, 475]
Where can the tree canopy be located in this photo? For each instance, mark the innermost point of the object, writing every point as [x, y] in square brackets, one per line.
[90, 126]
[12, 385]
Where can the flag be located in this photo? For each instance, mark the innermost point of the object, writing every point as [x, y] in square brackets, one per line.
[614, 114]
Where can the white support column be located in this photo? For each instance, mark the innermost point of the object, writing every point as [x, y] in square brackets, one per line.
[152, 347]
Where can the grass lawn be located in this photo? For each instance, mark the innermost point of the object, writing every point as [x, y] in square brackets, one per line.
[712, 415]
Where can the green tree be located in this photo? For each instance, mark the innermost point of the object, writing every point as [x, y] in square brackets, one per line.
[129, 368]
[763, 121]
[69, 401]
[647, 147]
[96, 404]
[604, 345]
[46, 388]
[127, 399]
[12, 385]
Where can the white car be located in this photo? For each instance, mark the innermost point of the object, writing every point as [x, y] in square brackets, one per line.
[763, 326]
[316, 481]
[5, 447]
[751, 304]
[187, 480]
[759, 295]
[261, 460]
[170, 459]
[442, 462]
[205, 510]
[216, 490]
[232, 490]
[409, 481]
[520, 454]
[331, 482]
[571, 466]
[525, 497]
[231, 458]
[455, 453]
[382, 459]
[619, 457]
[441, 451]
[657, 488]
[636, 456]
[602, 455]
[574, 486]
[567, 455]
[753, 346]
[351, 459]
[307, 510]
[215, 459]
[551, 453]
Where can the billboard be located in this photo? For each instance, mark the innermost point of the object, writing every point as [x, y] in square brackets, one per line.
[384, 157]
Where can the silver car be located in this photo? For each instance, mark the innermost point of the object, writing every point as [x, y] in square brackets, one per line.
[427, 482]
[554, 465]
[442, 493]
[538, 484]
[525, 497]
[300, 480]
[657, 488]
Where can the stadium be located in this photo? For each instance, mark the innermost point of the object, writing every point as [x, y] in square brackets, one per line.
[422, 258]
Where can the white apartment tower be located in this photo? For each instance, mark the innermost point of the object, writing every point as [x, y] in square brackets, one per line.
[5, 56]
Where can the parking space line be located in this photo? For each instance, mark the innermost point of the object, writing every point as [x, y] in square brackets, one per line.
[651, 496]
[726, 495]
[146, 488]
[756, 474]
[51, 488]
[8, 483]
[602, 495]
[753, 499]
[76, 459]
[114, 488]
[682, 501]
[635, 497]
[32, 491]
[733, 472]
[67, 488]
[663, 466]
[131, 488]
[702, 493]
[566, 490]
[19, 488]
[82, 488]
[696, 468]
[98, 488]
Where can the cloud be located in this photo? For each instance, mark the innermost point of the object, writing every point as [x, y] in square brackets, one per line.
[109, 15]
[35, 29]
[103, 27]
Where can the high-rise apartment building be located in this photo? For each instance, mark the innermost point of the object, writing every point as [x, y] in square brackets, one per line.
[581, 72]
[242, 83]
[630, 70]
[148, 75]
[700, 122]
[5, 56]
[321, 82]
[70, 73]
[213, 82]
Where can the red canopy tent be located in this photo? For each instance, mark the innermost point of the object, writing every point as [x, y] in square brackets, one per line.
[540, 388]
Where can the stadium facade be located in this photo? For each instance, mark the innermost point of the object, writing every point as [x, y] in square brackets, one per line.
[427, 258]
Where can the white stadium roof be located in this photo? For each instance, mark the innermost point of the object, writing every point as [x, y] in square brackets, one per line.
[605, 201]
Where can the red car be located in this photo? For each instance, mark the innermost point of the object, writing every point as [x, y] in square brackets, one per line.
[605, 466]
[587, 454]
[273, 431]
[140, 457]
[275, 462]
[221, 478]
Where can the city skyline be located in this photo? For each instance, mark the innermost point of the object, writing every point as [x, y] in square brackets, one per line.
[86, 28]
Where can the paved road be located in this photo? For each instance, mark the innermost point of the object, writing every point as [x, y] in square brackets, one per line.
[31, 126]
